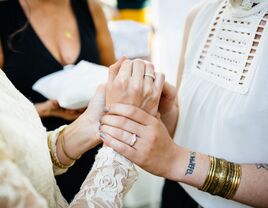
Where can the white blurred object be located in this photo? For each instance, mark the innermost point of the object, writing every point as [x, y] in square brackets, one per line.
[169, 19]
[130, 38]
[146, 191]
[73, 86]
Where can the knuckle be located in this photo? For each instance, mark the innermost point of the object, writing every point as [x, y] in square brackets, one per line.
[148, 91]
[123, 122]
[120, 134]
[122, 149]
[120, 82]
[132, 112]
[126, 63]
[150, 66]
[139, 61]
[136, 88]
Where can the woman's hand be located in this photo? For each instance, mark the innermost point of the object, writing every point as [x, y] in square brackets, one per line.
[154, 149]
[51, 108]
[168, 99]
[83, 134]
[136, 84]
[169, 108]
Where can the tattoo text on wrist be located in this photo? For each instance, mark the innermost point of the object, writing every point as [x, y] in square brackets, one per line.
[262, 165]
[191, 164]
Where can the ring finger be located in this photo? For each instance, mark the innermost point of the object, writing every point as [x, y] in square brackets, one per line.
[149, 77]
[123, 123]
[126, 137]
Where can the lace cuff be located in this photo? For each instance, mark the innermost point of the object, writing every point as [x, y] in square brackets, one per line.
[58, 168]
[110, 178]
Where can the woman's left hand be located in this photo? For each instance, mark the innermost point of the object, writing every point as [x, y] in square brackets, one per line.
[83, 134]
[153, 150]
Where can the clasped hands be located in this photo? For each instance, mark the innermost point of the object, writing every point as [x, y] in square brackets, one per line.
[126, 115]
[136, 96]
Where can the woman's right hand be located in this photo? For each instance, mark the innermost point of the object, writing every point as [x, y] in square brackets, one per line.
[51, 108]
[153, 150]
[135, 83]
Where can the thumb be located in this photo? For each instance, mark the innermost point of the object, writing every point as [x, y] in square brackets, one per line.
[114, 69]
[169, 91]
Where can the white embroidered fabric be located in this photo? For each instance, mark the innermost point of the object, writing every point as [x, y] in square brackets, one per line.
[26, 172]
[223, 103]
[227, 57]
[110, 178]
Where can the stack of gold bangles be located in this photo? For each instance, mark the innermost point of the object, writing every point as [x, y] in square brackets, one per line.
[53, 153]
[223, 178]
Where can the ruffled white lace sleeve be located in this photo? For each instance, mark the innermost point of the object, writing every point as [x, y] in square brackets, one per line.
[110, 178]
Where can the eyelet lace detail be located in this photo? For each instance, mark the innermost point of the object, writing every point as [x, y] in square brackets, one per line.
[229, 52]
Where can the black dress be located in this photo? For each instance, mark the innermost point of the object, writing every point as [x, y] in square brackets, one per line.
[26, 59]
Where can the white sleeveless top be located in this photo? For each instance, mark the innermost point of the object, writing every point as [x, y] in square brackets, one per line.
[223, 97]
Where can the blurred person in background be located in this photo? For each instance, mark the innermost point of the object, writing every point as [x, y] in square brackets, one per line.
[41, 37]
[133, 10]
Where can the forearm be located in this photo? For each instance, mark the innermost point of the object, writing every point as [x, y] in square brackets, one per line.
[170, 119]
[192, 169]
[72, 143]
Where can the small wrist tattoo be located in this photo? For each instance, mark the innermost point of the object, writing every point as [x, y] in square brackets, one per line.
[262, 166]
[191, 164]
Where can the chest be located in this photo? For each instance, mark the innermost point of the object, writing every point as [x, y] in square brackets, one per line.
[231, 52]
[57, 29]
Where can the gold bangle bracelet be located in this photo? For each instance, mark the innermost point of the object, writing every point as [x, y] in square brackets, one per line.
[54, 158]
[62, 141]
[223, 178]
[236, 181]
[228, 182]
[212, 163]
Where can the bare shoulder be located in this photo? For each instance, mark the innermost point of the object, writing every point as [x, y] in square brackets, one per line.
[194, 11]
[95, 7]
[187, 28]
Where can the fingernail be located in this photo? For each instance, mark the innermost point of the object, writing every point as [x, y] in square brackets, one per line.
[102, 135]
[105, 109]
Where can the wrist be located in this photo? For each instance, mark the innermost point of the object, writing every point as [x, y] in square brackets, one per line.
[175, 170]
[81, 136]
[188, 167]
[42, 112]
[193, 167]
[170, 119]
